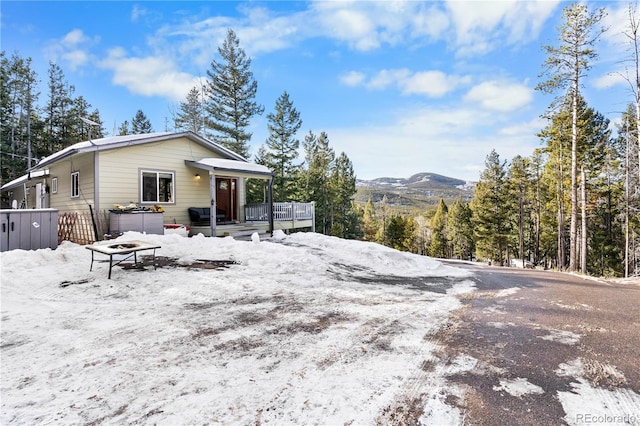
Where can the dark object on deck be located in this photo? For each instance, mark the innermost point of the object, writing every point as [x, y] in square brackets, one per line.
[202, 215]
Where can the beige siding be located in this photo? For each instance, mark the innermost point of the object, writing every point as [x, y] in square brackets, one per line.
[119, 175]
[62, 170]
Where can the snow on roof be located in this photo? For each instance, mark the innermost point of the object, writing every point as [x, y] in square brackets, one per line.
[22, 179]
[223, 164]
[127, 140]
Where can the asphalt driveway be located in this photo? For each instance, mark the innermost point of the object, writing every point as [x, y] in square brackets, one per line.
[551, 349]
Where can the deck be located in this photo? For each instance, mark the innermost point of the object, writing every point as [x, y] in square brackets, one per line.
[286, 216]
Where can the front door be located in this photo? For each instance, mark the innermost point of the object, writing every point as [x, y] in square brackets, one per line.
[226, 198]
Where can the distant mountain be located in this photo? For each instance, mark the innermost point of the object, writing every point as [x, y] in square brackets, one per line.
[419, 192]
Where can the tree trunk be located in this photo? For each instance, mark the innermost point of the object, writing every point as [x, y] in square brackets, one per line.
[583, 251]
[573, 230]
[561, 248]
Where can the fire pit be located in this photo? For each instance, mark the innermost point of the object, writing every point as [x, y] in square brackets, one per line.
[123, 246]
[130, 248]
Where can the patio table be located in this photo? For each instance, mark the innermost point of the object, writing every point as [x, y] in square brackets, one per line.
[130, 248]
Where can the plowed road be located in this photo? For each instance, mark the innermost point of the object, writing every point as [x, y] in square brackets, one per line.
[552, 349]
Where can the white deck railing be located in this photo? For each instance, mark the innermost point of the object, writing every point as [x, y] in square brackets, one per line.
[281, 211]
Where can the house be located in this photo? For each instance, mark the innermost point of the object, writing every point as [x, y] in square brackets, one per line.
[173, 171]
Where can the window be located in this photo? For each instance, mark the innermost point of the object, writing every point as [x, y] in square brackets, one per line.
[157, 187]
[54, 185]
[75, 184]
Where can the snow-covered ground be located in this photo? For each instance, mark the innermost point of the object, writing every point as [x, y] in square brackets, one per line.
[303, 329]
[300, 329]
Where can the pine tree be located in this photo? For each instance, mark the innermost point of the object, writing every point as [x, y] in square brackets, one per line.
[518, 181]
[231, 91]
[490, 210]
[566, 65]
[594, 134]
[370, 222]
[438, 246]
[140, 124]
[19, 123]
[282, 147]
[190, 114]
[319, 158]
[626, 143]
[399, 233]
[124, 128]
[342, 182]
[538, 197]
[383, 218]
[459, 230]
[59, 120]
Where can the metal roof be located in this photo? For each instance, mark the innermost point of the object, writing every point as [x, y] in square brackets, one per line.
[226, 165]
[114, 142]
[25, 178]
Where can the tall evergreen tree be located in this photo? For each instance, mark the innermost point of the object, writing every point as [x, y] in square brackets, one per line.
[594, 134]
[190, 115]
[140, 124]
[282, 147]
[459, 230]
[518, 181]
[438, 246]
[342, 182]
[58, 117]
[19, 122]
[399, 233]
[231, 94]
[124, 129]
[370, 222]
[383, 218]
[538, 197]
[319, 158]
[566, 65]
[490, 210]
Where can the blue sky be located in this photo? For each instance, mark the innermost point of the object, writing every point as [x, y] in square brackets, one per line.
[401, 86]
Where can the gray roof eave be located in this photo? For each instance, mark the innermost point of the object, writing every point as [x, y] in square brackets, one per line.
[92, 147]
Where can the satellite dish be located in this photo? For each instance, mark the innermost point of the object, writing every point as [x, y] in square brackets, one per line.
[90, 123]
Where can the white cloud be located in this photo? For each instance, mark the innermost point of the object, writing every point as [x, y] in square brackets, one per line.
[148, 76]
[74, 38]
[429, 21]
[524, 129]
[386, 78]
[432, 83]
[617, 22]
[483, 26]
[137, 12]
[500, 95]
[611, 79]
[72, 48]
[450, 141]
[352, 78]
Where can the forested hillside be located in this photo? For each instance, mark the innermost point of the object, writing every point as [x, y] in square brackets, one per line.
[416, 194]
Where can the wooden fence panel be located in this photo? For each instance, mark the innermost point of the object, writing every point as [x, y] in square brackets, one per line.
[77, 227]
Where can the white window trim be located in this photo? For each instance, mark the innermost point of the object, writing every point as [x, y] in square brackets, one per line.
[157, 173]
[54, 185]
[77, 175]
